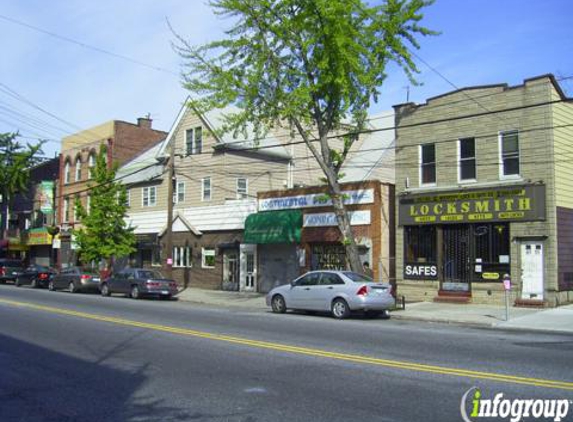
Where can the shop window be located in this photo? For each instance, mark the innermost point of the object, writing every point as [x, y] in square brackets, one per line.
[420, 244]
[328, 257]
[428, 164]
[492, 248]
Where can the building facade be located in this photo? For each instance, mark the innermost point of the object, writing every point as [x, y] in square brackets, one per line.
[485, 193]
[122, 141]
[295, 231]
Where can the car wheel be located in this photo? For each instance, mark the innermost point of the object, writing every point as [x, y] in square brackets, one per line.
[34, 284]
[72, 287]
[105, 290]
[135, 292]
[278, 304]
[340, 309]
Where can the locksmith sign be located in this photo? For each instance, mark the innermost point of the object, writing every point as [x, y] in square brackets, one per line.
[515, 203]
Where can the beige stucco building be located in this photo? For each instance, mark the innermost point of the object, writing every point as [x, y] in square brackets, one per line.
[484, 186]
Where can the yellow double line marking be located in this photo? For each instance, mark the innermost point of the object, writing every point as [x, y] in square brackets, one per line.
[490, 376]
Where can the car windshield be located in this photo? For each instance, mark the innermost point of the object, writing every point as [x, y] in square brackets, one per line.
[357, 278]
[150, 274]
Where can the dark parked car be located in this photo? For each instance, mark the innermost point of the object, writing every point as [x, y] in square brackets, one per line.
[35, 276]
[9, 269]
[75, 279]
[139, 282]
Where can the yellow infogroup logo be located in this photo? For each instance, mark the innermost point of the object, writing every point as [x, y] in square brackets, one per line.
[513, 409]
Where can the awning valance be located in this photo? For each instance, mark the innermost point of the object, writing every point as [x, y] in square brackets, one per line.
[274, 227]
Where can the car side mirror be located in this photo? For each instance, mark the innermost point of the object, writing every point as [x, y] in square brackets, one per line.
[292, 283]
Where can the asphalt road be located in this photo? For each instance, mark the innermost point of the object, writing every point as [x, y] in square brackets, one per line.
[74, 357]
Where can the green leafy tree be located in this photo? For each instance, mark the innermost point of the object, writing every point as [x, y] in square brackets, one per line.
[15, 163]
[104, 234]
[314, 65]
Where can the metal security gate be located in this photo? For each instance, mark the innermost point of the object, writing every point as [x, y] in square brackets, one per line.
[456, 258]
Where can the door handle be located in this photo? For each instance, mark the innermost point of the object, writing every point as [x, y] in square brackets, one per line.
[307, 288]
[330, 288]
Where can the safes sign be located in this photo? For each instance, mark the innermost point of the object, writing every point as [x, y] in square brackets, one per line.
[520, 203]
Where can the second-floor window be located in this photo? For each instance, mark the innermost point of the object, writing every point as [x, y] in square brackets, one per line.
[67, 172]
[179, 193]
[194, 140]
[427, 164]
[78, 169]
[509, 151]
[206, 189]
[91, 165]
[242, 188]
[466, 159]
[148, 196]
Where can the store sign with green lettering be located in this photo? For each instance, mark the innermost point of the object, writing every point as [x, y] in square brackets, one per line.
[516, 203]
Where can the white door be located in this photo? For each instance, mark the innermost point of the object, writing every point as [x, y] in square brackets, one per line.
[248, 268]
[532, 270]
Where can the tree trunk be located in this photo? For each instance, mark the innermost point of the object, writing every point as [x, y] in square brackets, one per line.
[343, 220]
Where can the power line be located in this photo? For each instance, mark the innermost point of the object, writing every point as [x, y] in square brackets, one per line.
[88, 46]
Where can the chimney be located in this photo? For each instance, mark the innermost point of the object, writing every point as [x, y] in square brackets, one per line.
[144, 122]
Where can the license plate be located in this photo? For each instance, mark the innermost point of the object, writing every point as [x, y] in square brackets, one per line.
[164, 292]
[96, 280]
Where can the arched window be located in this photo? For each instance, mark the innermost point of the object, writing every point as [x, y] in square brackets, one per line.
[78, 168]
[91, 164]
[67, 171]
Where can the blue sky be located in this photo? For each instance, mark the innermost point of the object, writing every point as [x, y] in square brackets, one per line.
[50, 88]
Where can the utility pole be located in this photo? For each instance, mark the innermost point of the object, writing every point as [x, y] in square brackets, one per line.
[169, 233]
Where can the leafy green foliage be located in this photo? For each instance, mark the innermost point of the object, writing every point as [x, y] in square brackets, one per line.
[15, 163]
[104, 233]
[313, 65]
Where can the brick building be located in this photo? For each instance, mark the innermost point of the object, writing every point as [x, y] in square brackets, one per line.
[484, 189]
[123, 141]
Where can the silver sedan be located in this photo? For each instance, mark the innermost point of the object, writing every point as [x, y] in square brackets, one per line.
[338, 292]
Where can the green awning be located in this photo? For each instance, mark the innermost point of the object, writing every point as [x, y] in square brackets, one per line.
[274, 227]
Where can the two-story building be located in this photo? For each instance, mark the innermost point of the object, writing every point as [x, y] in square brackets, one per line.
[484, 184]
[122, 140]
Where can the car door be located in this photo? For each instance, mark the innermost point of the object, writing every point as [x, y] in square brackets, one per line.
[329, 285]
[301, 291]
[119, 282]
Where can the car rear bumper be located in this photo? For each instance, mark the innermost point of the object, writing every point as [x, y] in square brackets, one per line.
[372, 303]
[159, 292]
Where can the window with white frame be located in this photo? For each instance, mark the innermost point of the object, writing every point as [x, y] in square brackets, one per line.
[194, 141]
[242, 188]
[427, 164]
[66, 210]
[466, 159]
[182, 257]
[91, 165]
[509, 154]
[179, 193]
[208, 257]
[78, 169]
[206, 189]
[148, 196]
[77, 201]
[67, 172]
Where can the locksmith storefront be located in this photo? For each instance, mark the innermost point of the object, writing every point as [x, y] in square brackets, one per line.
[459, 245]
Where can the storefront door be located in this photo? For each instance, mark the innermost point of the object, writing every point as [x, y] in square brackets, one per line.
[248, 268]
[532, 270]
[456, 252]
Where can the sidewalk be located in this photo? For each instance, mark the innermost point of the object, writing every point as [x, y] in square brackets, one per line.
[554, 320]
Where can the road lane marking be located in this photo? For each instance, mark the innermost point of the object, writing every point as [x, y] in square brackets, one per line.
[442, 370]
